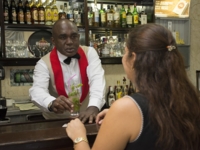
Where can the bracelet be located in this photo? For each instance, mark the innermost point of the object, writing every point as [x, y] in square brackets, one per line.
[80, 139]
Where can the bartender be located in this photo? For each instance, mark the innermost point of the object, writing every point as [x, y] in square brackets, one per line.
[68, 61]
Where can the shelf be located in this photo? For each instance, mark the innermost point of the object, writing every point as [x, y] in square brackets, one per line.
[108, 28]
[111, 60]
[18, 61]
[32, 61]
[26, 27]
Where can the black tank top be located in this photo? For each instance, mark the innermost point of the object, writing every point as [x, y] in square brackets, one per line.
[148, 137]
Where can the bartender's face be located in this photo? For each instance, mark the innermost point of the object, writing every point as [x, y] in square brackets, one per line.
[66, 37]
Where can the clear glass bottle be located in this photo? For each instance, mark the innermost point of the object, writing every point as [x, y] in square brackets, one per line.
[95, 15]
[70, 14]
[90, 16]
[116, 16]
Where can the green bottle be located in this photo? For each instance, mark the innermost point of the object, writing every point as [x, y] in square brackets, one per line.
[129, 18]
[135, 16]
[123, 17]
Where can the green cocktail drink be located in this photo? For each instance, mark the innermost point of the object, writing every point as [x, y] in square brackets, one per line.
[74, 95]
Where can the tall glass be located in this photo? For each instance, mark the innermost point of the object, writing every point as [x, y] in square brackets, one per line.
[74, 96]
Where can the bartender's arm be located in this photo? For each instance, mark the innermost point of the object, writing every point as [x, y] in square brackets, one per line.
[39, 92]
[97, 84]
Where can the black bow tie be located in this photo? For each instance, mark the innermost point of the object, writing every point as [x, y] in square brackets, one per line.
[68, 59]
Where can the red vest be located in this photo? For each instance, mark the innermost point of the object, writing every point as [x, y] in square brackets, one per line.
[58, 75]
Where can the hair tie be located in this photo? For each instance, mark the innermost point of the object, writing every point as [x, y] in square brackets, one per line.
[171, 47]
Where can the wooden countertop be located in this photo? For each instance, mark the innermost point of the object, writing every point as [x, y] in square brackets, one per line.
[43, 135]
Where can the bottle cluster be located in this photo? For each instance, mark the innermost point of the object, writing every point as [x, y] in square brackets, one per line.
[31, 12]
[108, 45]
[113, 16]
[119, 91]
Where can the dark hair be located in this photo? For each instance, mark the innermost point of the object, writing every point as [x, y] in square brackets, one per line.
[174, 105]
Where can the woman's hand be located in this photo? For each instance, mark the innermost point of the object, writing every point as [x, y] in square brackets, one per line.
[100, 116]
[75, 128]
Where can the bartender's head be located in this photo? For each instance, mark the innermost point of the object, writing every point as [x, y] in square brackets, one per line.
[65, 37]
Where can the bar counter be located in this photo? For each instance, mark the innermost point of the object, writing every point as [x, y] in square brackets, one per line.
[43, 135]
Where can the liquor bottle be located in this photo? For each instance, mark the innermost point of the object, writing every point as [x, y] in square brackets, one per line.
[110, 17]
[102, 17]
[111, 39]
[124, 88]
[27, 13]
[95, 15]
[123, 16]
[70, 14]
[90, 39]
[90, 16]
[116, 16]
[110, 96]
[65, 10]
[77, 16]
[130, 89]
[20, 13]
[129, 18]
[54, 14]
[41, 13]
[34, 14]
[48, 18]
[118, 90]
[135, 16]
[143, 17]
[82, 12]
[60, 14]
[118, 48]
[6, 11]
[13, 12]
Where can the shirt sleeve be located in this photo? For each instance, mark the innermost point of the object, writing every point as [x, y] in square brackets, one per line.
[96, 79]
[39, 92]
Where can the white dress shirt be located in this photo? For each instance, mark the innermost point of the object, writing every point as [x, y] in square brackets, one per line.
[39, 92]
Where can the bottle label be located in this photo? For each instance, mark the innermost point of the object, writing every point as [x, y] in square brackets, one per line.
[14, 16]
[77, 19]
[111, 100]
[129, 19]
[116, 16]
[28, 17]
[41, 15]
[135, 18]
[103, 17]
[54, 15]
[96, 16]
[143, 19]
[110, 16]
[21, 16]
[124, 15]
[35, 15]
[48, 15]
[6, 17]
[90, 21]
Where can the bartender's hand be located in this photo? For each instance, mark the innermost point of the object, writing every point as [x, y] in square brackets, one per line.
[89, 114]
[100, 116]
[61, 104]
[75, 128]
